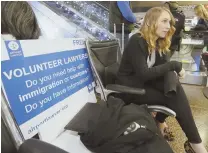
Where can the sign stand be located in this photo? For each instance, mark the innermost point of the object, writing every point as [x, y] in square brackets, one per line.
[9, 121]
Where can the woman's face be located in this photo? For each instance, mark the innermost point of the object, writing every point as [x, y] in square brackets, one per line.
[163, 24]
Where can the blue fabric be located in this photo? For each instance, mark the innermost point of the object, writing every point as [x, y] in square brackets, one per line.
[126, 11]
[200, 21]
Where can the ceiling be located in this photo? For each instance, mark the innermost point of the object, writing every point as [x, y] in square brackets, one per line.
[159, 3]
[143, 6]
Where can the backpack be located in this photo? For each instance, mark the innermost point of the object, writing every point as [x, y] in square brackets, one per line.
[124, 128]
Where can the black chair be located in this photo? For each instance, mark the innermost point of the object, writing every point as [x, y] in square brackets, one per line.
[105, 58]
[7, 143]
[38, 146]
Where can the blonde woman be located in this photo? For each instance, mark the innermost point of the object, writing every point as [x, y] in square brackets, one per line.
[202, 13]
[144, 65]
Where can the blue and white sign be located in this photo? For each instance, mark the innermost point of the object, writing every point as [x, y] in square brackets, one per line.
[47, 74]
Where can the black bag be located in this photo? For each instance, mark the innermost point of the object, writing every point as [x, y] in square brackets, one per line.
[124, 129]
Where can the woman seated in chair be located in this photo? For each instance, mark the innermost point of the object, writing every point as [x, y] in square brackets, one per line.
[202, 14]
[144, 65]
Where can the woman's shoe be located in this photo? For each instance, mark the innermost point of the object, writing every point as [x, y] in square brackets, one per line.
[188, 147]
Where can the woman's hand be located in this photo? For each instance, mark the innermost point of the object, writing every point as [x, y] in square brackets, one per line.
[182, 74]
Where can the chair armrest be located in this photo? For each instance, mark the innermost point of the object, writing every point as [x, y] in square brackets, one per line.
[38, 146]
[161, 109]
[125, 89]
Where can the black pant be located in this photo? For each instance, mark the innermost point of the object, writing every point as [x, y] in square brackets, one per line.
[178, 103]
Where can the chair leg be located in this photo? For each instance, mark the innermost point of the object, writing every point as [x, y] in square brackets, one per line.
[101, 92]
[205, 92]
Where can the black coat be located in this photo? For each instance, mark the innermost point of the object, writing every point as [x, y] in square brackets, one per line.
[179, 26]
[106, 136]
[179, 22]
[134, 71]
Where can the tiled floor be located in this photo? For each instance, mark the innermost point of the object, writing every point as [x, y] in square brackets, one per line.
[199, 106]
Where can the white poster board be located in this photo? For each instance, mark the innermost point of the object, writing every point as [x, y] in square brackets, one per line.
[45, 81]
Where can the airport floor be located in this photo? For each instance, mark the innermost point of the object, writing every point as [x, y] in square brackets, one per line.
[199, 106]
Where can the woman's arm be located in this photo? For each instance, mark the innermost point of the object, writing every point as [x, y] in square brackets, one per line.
[139, 62]
[126, 11]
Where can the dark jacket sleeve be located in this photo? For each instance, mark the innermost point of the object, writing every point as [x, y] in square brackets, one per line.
[200, 21]
[139, 61]
[170, 84]
[201, 25]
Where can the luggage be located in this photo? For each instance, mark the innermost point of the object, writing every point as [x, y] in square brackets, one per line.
[124, 128]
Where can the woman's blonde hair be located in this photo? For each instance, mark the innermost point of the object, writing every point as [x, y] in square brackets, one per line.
[149, 27]
[18, 19]
[201, 11]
